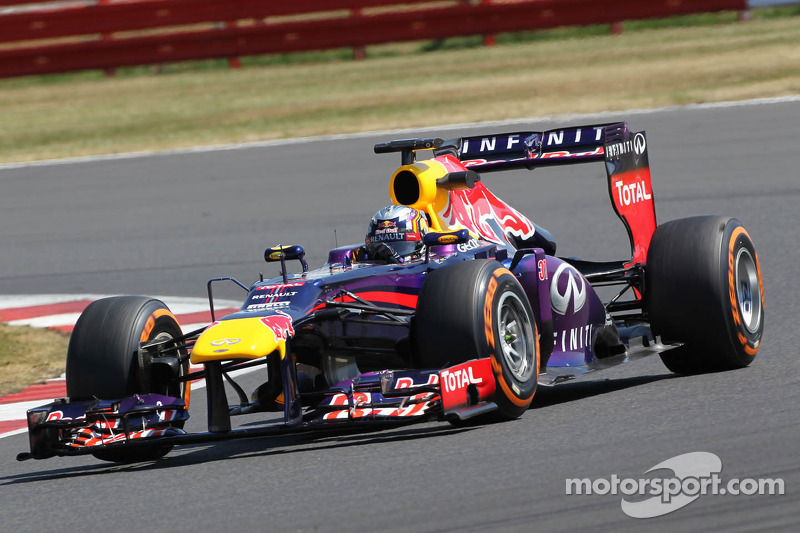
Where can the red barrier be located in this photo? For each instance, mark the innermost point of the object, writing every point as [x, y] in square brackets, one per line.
[338, 30]
[128, 16]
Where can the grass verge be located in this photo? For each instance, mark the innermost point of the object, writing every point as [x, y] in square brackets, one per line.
[29, 356]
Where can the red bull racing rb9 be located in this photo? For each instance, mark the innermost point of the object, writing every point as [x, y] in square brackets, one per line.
[456, 307]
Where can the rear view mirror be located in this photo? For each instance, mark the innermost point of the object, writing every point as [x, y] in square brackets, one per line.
[290, 252]
[283, 253]
[435, 238]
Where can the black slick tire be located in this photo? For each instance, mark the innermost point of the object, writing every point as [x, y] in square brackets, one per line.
[704, 289]
[477, 309]
[103, 358]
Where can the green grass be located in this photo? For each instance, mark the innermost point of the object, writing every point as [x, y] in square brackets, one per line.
[29, 355]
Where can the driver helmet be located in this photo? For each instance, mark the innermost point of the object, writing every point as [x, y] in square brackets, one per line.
[399, 227]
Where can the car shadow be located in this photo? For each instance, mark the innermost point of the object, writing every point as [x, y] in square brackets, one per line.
[547, 396]
[192, 454]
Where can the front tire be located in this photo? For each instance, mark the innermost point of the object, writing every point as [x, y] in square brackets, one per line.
[103, 358]
[704, 289]
[477, 309]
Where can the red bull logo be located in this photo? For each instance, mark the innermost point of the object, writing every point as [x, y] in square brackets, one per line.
[483, 213]
[387, 224]
[281, 325]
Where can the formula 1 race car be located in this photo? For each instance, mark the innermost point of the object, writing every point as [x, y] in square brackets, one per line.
[466, 329]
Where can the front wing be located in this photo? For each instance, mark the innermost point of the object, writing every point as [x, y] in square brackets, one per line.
[373, 400]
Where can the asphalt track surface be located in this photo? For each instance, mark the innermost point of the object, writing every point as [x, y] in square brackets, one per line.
[164, 224]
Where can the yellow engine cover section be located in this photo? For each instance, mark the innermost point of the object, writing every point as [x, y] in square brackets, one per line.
[243, 338]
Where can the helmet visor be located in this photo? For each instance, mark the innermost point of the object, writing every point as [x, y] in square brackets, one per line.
[403, 248]
[402, 243]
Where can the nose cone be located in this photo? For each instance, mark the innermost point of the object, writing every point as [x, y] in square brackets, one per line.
[243, 338]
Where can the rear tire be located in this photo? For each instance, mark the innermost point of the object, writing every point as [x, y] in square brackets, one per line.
[477, 309]
[704, 289]
[103, 358]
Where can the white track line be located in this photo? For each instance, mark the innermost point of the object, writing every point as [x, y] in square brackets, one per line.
[13, 432]
[48, 321]
[11, 411]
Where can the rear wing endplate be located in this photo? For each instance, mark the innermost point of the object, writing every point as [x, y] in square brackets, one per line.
[628, 170]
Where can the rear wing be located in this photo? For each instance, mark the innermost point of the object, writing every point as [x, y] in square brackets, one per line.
[624, 152]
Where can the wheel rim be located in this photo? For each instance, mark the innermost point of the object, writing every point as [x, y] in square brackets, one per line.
[516, 337]
[748, 290]
[165, 388]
